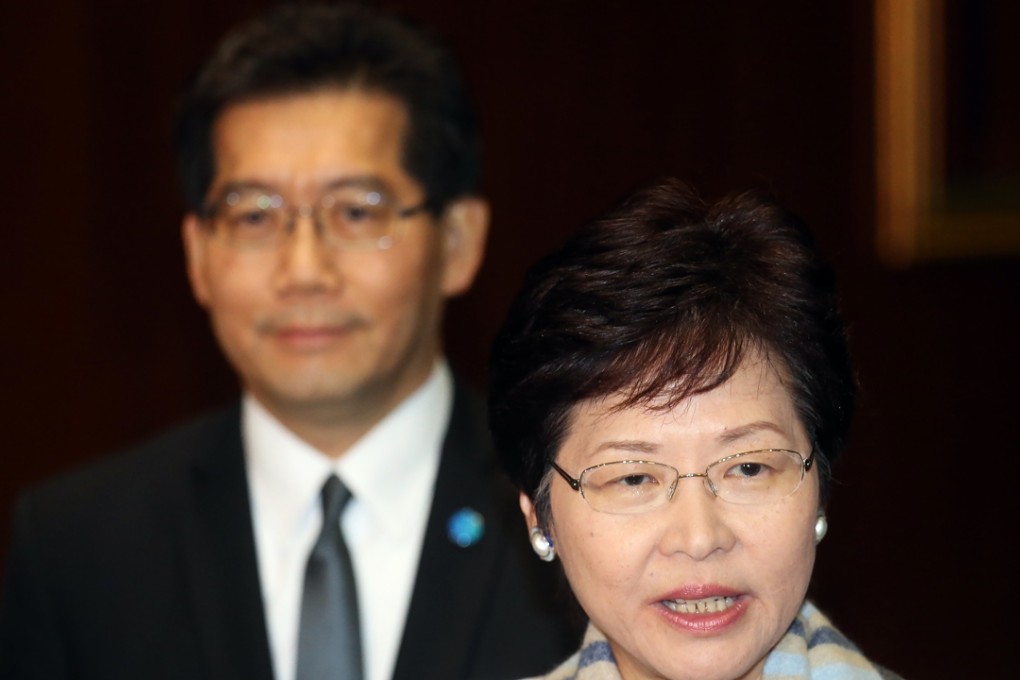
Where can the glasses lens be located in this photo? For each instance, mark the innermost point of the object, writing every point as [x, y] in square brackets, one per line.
[250, 218]
[627, 487]
[357, 216]
[757, 476]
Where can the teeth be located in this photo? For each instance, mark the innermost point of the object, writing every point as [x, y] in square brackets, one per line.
[709, 605]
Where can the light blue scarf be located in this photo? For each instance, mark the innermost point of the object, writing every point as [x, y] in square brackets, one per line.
[812, 649]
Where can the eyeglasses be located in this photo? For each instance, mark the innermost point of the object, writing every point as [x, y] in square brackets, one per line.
[348, 216]
[631, 487]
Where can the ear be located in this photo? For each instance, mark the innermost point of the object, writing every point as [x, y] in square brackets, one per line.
[530, 516]
[465, 225]
[528, 510]
[195, 245]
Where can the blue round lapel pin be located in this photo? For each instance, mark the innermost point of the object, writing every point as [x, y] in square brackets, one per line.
[466, 527]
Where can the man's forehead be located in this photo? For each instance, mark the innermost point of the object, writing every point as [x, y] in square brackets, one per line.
[310, 141]
[316, 119]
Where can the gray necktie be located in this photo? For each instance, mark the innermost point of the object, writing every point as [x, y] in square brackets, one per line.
[329, 644]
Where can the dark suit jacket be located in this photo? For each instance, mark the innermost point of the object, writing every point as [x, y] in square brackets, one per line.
[143, 566]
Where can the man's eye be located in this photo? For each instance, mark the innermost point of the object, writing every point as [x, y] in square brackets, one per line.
[251, 218]
[357, 212]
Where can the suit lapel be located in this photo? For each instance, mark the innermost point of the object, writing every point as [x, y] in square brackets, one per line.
[452, 582]
[218, 556]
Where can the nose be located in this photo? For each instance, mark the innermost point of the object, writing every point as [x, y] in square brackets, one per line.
[307, 263]
[694, 524]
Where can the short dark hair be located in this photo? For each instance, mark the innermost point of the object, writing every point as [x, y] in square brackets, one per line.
[300, 48]
[663, 298]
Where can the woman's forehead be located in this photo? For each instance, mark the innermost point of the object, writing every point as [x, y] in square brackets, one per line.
[753, 402]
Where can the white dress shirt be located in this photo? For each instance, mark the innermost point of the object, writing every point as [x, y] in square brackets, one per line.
[391, 472]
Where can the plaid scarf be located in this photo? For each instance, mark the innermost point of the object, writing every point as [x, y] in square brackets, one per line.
[812, 649]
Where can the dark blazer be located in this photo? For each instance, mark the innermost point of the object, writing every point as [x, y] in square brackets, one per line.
[143, 565]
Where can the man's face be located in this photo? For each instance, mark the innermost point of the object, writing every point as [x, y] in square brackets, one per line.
[316, 330]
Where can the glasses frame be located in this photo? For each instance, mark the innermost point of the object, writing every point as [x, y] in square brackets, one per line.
[577, 485]
[312, 210]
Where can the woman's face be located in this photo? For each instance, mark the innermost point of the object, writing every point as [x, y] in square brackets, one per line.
[641, 578]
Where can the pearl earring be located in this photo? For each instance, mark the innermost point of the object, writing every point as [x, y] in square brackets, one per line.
[542, 546]
[821, 527]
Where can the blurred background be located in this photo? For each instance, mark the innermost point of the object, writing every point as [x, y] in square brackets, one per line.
[580, 102]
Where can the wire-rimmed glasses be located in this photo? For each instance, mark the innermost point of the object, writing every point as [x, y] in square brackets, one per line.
[630, 487]
[353, 215]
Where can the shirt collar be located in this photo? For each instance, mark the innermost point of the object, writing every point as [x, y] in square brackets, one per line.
[390, 470]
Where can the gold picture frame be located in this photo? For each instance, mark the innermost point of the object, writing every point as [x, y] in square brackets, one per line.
[915, 219]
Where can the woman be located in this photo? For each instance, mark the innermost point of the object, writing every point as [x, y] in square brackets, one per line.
[669, 392]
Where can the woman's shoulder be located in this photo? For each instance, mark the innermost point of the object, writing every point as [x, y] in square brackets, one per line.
[565, 671]
[815, 637]
[593, 661]
[886, 673]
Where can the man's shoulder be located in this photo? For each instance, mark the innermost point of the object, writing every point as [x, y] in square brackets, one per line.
[211, 429]
[469, 458]
[136, 474]
[468, 428]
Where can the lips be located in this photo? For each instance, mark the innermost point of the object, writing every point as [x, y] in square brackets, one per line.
[707, 605]
[300, 319]
[314, 339]
[703, 609]
[309, 331]
[304, 332]
[309, 327]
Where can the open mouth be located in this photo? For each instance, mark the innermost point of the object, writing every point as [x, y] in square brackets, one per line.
[708, 605]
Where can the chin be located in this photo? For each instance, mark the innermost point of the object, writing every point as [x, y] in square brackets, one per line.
[725, 658]
[709, 671]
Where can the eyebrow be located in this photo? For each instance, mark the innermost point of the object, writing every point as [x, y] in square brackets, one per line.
[631, 445]
[728, 437]
[361, 181]
[744, 431]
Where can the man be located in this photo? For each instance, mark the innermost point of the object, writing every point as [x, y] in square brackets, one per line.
[329, 159]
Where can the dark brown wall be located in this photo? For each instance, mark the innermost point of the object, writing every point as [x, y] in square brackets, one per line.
[102, 345]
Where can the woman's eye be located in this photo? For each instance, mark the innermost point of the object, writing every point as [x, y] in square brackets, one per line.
[636, 480]
[748, 470]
